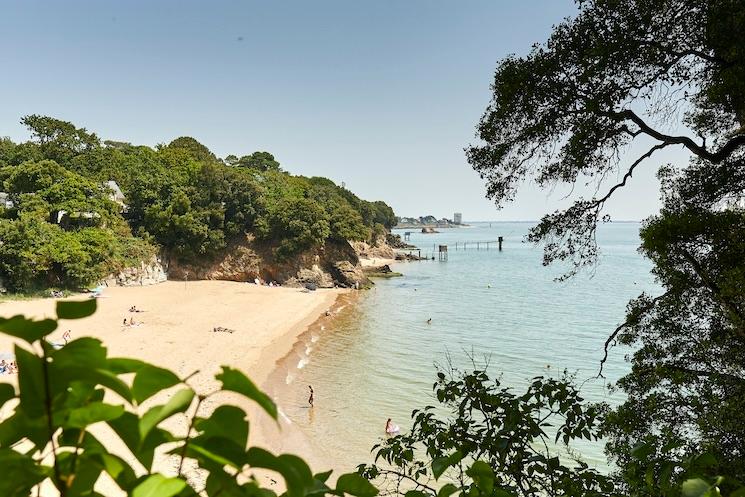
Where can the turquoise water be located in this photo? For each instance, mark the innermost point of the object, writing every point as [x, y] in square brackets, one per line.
[377, 361]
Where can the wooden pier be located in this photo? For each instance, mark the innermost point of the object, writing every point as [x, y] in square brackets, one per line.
[475, 245]
[441, 251]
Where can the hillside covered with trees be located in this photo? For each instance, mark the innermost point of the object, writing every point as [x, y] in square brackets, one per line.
[64, 224]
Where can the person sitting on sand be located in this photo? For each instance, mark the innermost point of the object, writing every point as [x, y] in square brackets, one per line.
[310, 399]
[125, 322]
[3, 366]
[391, 428]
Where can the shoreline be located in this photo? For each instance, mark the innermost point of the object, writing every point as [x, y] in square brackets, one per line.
[176, 334]
[287, 435]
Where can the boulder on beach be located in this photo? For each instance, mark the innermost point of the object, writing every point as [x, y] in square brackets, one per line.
[349, 275]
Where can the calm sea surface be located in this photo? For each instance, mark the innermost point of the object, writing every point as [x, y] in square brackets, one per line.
[377, 361]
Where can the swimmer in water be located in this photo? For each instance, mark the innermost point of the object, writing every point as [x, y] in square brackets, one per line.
[429, 321]
[391, 428]
[310, 399]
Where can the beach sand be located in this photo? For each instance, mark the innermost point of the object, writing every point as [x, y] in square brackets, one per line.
[176, 333]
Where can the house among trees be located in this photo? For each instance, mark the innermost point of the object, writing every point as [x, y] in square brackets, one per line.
[5, 201]
[116, 194]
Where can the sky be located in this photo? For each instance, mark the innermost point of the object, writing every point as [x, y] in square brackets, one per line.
[380, 95]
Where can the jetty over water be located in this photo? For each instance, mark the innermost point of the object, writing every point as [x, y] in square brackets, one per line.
[442, 250]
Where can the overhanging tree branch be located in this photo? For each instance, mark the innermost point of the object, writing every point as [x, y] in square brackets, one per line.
[629, 321]
[701, 151]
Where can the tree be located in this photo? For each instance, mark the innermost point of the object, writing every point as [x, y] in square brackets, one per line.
[59, 140]
[297, 225]
[261, 161]
[195, 149]
[620, 73]
[62, 392]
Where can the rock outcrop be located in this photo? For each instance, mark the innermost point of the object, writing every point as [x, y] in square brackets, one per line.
[147, 273]
[350, 276]
[313, 276]
[249, 259]
[380, 250]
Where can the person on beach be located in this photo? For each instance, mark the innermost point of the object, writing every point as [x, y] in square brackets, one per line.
[3, 366]
[66, 336]
[125, 322]
[429, 321]
[391, 428]
[310, 399]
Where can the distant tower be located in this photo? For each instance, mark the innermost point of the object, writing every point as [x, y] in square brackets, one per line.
[457, 218]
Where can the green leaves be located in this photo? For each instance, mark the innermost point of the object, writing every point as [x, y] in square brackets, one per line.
[159, 486]
[226, 422]
[180, 402]
[150, 380]
[75, 309]
[355, 484]
[235, 381]
[483, 476]
[447, 490]
[20, 473]
[441, 464]
[695, 488]
[7, 392]
[30, 382]
[93, 413]
[294, 470]
[27, 329]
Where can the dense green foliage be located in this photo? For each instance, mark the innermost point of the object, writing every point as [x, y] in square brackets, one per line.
[63, 391]
[179, 197]
[87, 239]
[488, 422]
[655, 74]
[523, 443]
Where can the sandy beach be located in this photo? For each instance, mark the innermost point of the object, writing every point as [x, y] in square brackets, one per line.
[175, 332]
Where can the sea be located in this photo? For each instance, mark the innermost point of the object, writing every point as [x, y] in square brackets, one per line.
[377, 357]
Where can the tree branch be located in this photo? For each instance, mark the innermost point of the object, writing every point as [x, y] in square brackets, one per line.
[713, 287]
[699, 150]
[629, 321]
[630, 171]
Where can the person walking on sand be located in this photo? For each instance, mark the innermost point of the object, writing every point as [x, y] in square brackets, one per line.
[310, 399]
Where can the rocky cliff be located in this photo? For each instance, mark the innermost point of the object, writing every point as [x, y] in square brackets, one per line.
[148, 272]
[247, 259]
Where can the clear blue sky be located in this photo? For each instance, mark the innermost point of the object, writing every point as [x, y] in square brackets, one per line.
[382, 95]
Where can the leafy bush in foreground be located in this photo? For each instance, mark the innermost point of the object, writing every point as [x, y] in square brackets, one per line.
[62, 394]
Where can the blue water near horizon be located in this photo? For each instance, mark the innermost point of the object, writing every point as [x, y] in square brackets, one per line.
[379, 359]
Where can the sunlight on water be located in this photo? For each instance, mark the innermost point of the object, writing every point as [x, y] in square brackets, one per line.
[378, 360]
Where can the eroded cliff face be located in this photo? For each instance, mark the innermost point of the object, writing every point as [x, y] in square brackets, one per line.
[150, 272]
[248, 259]
[381, 249]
